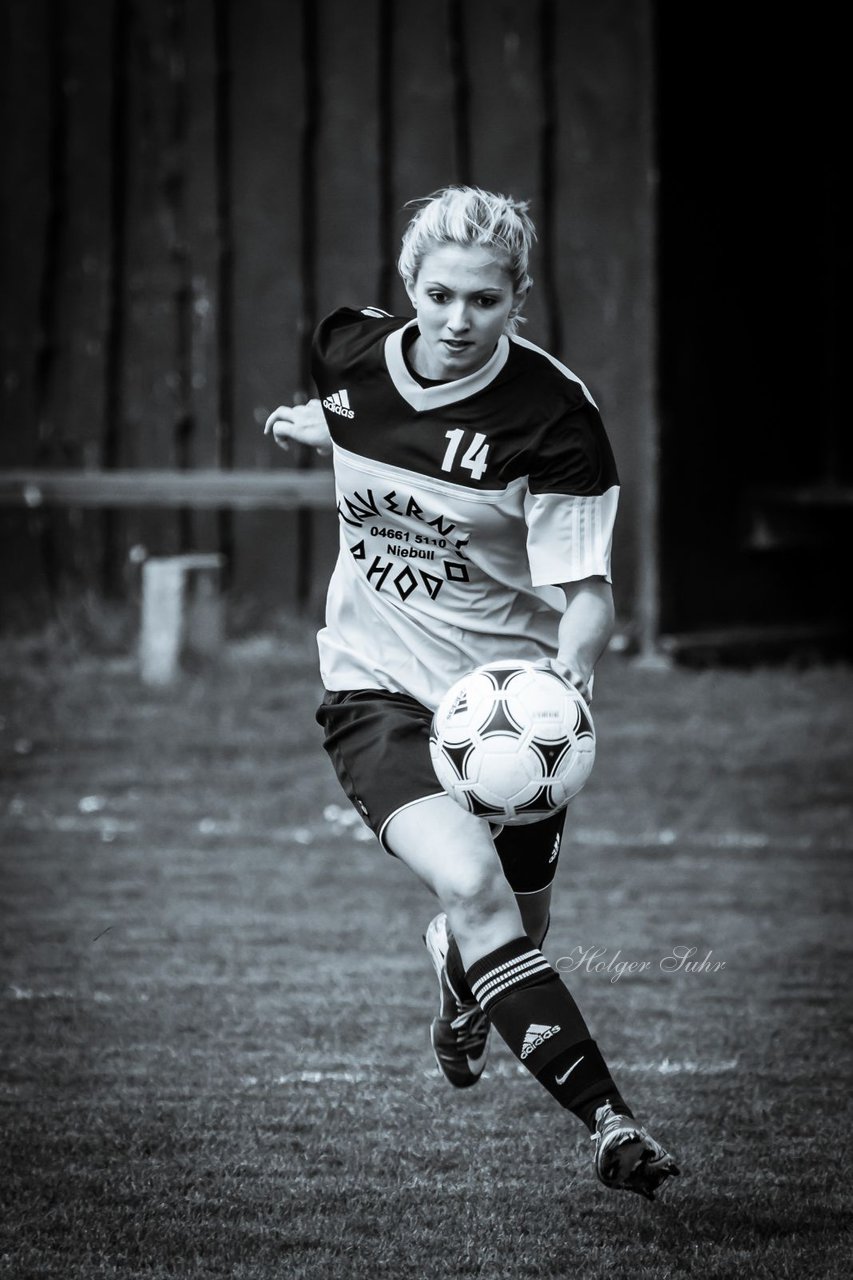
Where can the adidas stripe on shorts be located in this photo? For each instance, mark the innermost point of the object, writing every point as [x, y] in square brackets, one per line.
[378, 743]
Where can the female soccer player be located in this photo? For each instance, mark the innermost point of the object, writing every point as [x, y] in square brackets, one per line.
[476, 495]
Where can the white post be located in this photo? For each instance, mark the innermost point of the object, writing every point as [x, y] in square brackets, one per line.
[161, 635]
[181, 608]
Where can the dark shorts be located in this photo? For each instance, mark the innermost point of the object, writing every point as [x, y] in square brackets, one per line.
[378, 743]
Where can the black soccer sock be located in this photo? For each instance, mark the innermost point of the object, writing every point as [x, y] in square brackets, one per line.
[538, 1018]
[456, 968]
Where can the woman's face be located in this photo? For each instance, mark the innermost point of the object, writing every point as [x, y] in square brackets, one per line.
[463, 296]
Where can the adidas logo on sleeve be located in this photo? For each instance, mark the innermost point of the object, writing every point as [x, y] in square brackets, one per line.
[338, 403]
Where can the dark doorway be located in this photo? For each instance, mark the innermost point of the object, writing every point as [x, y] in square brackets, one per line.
[756, 474]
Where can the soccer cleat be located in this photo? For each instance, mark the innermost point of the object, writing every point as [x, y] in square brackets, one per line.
[627, 1157]
[460, 1033]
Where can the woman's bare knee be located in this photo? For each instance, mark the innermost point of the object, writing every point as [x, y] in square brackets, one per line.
[474, 890]
[454, 854]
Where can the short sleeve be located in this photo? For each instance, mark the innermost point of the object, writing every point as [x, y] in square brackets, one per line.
[573, 494]
[344, 340]
[570, 537]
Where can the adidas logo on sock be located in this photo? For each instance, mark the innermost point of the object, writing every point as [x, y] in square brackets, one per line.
[535, 1035]
[339, 403]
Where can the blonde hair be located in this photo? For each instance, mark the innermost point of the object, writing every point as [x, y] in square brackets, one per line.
[471, 216]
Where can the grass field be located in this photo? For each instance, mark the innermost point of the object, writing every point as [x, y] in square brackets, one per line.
[215, 1001]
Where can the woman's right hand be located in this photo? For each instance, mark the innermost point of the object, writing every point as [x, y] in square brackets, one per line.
[304, 423]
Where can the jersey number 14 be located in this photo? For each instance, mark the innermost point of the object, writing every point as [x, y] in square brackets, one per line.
[474, 457]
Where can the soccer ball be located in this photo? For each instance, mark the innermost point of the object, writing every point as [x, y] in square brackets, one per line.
[512, 742]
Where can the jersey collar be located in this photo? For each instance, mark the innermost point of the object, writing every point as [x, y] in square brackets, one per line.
[423, 398]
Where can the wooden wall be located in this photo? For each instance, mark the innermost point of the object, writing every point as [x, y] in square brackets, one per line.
[191, 184]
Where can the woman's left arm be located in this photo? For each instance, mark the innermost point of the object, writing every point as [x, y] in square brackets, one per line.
[585, 628]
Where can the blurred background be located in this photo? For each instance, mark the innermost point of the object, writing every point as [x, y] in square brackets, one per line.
[191, 184]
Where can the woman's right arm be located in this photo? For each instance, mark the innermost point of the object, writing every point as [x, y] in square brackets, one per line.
[304, 423]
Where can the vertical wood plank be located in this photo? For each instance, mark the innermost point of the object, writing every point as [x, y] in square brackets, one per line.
[205, 310]
[605, 234]
[347, 168]
[23, 91]
[386, 92]
[55, 240]
[507, 117]
[548, 301]
[78, 403]
[223, 223]
[424, 138]
[53, 444]
[73, 409]
[112, 523]
[175, 209]
[347, 155]
[25, 123]
[310, 203]
[459, 59]
[201, 230]
[646, 464]
[152, 381]
[266, 106]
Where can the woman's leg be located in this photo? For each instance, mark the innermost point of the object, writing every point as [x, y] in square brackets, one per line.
[453, 853]
[460, 1030]
[378, 743]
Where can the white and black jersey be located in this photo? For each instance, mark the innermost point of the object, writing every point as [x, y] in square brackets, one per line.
[461, 505]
